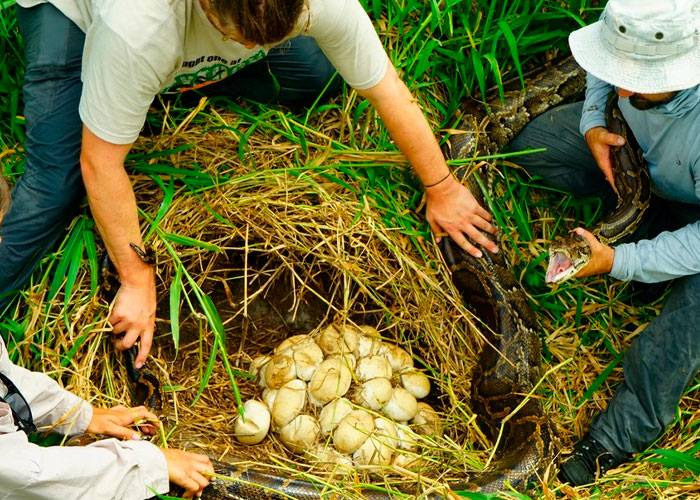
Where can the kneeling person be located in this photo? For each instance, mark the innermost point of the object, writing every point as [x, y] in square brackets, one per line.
[111, 468]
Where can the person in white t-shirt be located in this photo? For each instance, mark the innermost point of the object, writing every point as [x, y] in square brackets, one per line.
[126, 468]
[94, 67]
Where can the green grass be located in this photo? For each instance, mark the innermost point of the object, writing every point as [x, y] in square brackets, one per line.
[446, 51]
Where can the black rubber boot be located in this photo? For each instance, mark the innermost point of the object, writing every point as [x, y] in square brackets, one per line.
[588, 461]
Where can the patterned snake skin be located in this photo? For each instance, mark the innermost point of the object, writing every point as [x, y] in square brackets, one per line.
[509, 364]
[570, 254]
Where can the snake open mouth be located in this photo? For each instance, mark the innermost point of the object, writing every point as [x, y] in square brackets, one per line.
[560, 267]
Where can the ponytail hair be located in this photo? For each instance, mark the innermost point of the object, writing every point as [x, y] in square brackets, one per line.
[264, 22]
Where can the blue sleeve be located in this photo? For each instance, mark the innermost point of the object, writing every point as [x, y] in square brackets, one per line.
[593, 115]
[669, 255]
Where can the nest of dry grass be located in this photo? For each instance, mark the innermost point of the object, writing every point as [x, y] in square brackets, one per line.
[282, 249]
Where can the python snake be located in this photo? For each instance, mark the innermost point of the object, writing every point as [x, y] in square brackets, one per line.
[509, 363]
[569, 254]
[145, 387]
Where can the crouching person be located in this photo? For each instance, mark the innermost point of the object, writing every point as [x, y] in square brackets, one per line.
[125, 468]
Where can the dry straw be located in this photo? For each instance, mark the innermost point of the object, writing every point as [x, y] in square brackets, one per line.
[290, 236]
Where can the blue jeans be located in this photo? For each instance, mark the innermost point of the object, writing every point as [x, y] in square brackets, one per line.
[666, 355]
[46, 196]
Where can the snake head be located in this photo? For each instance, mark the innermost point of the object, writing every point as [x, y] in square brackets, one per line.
[567, 256]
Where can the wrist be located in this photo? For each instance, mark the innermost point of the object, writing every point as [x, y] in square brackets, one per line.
[439, 181]
[448, 185]
[138, 271]
[137, 274]
[94, 425]
[610, 261]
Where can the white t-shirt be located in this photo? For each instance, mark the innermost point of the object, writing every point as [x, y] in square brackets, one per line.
[135, 49]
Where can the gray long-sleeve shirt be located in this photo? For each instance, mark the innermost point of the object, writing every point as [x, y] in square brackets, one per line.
[669, 136]
[109, 469]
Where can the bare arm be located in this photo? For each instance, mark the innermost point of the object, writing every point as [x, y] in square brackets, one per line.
[451, 206]
[113, 206]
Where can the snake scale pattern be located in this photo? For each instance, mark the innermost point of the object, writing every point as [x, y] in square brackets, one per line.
[509, 363]
[569, 254]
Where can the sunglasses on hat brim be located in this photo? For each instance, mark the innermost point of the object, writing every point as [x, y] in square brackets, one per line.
[19, 406]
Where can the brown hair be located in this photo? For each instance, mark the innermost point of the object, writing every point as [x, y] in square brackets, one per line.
[4, 196]
[261, 21]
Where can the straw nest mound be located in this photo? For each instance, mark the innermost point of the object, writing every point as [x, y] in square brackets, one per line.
[285, 223]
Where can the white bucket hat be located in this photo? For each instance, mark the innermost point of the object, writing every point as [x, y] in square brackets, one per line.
[644, 46]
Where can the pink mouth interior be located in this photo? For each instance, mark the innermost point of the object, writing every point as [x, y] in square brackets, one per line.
[558, 264]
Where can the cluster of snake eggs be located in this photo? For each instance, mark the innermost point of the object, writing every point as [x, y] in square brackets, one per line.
[343, 397]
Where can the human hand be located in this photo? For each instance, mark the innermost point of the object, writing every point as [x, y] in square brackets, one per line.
[452, 209]
[599, 141]
[115, 421]
[602, 256]
[189, 470]
[134, 313]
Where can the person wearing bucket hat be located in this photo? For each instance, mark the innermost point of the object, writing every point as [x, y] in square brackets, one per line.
[649, 52]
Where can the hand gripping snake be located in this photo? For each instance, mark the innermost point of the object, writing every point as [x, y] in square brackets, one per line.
[509, 363]
[569, 254]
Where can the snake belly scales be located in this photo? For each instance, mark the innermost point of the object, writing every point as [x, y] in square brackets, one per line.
[508, 368]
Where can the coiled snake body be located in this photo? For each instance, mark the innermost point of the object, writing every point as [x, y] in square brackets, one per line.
[509, 364]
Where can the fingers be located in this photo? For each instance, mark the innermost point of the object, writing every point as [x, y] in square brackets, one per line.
[463, 242]
[479, 237]
[590, 239]
[485, 216]
[118, 431]
[134, 415]
[195, 483]
[145, 347]
[613, 139]
[485, 225]
[127, 340]
[205, 460]
[435, 228]
[599, 141]
[458, 235]
[133, 314]
[189, 470]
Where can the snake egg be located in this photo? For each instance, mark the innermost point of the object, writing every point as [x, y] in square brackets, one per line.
[256, 424]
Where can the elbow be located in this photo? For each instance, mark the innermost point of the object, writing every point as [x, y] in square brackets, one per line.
[88, 167]
[388, 84]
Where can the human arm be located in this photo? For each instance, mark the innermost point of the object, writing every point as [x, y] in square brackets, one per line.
[185, 469]
[671, 254]
[451, 206]
[121, 422]
[113, 206]
[53, 408]
[120, 81]
[105, 469]
[127, 470]
[346, 35]
[593, 126]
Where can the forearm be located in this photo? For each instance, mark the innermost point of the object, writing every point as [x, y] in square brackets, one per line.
[593, 114]
[669, 255]
[451, 208]
[52, 406]
[106, 469]
[113, 206]
[404, 119]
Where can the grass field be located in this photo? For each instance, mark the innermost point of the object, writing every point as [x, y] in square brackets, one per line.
[242, 201]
